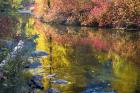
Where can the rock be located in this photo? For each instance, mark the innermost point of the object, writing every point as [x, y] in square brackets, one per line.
[33, 65]
[51, 76]
[37, 77]
[25, 11]
[60, 81]
[97, 86]
[6, 85]
[6, 43]
[35, 82]
[89, 91]
[94, 91]
[52, 90]
[38, 85]
[39, 53]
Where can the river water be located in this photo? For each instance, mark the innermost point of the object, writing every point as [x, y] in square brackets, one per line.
[89, 60]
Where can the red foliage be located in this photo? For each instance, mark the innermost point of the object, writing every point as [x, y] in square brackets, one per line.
[64, 5]
[123, 12]
[101, 6]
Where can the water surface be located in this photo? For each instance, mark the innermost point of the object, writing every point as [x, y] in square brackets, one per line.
[90, 60]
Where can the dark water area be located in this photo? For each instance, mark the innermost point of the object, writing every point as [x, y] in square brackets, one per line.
[82, 60]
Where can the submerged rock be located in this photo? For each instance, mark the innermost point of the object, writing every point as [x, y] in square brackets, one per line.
[37, 77]
[94, 91]
[33, 65]
[51, 76]
[35, 82]
[97, 86]
[39, 53]
[24, 11]
[60, 81]
[7, 44]
[36, 85]
[52, 90]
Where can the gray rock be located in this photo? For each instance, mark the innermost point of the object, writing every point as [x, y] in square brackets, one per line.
[39, 53]
[60, 81]
[52, 90]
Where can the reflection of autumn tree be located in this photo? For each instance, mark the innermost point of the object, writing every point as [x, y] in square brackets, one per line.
[126, 72]
[60, 56]
[127, 47]
[75, 45]
[124, 44]
[120, 42]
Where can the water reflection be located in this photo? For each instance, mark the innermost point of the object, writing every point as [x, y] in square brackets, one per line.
[83, 60]
[91, 60]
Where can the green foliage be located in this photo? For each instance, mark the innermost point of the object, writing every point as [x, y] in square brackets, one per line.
[5, 5]
[3, 53]
[13, 72]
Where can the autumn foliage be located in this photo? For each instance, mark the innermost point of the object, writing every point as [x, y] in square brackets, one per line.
[102, 13]
[7, 25]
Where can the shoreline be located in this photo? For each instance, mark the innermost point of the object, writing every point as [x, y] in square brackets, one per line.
[90, 26]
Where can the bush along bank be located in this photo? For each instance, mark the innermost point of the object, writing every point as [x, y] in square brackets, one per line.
[95, 13]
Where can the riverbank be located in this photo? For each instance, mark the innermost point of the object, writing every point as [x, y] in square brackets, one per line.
[129, 27]
[95, 13]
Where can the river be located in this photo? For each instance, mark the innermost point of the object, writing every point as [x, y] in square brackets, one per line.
[89, 60]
